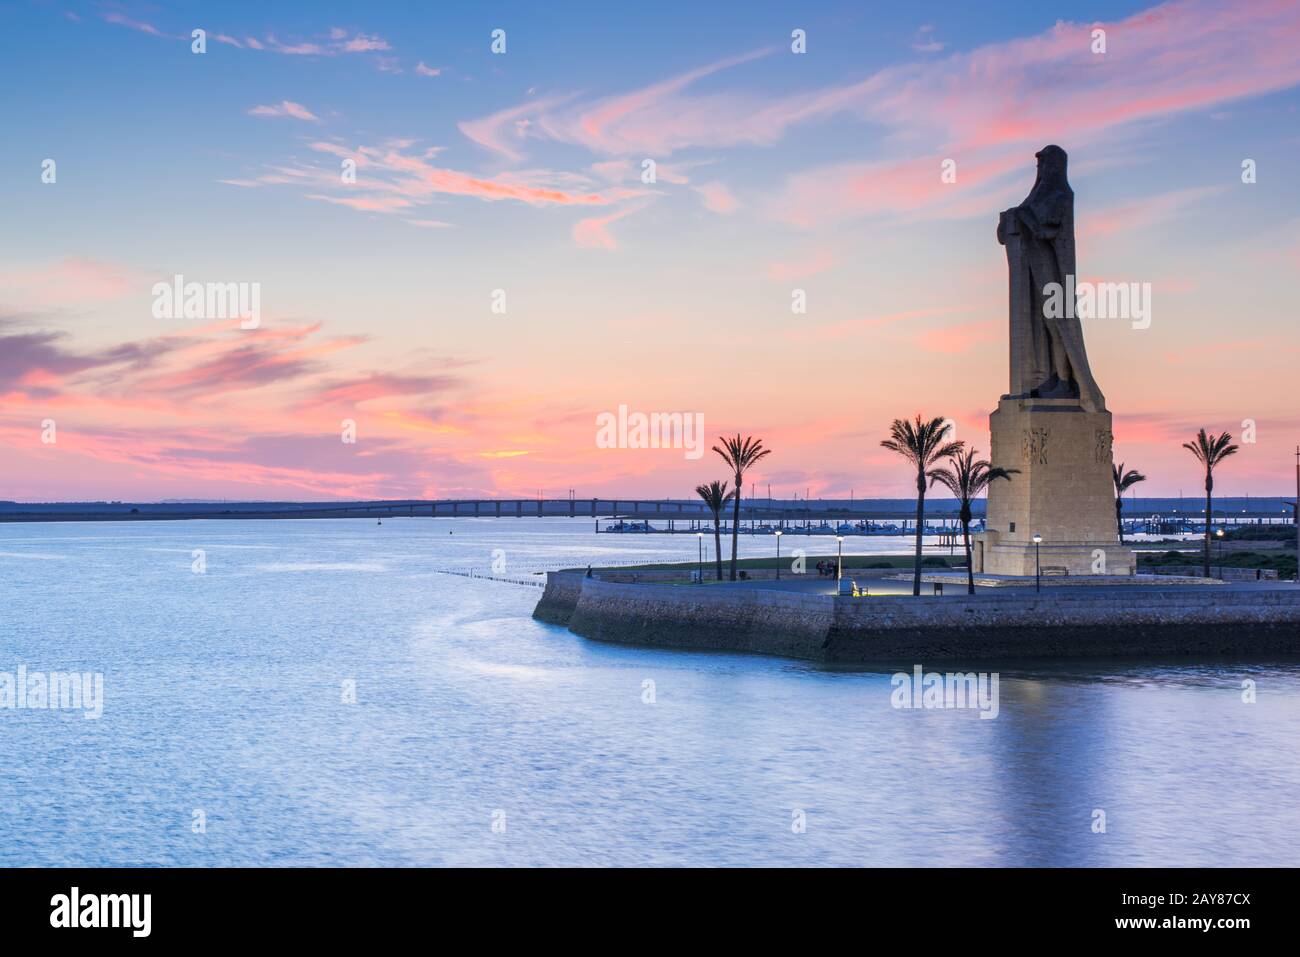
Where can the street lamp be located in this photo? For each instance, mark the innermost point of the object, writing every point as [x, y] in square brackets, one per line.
[1218, 534]
[699, 537]
[777, 533]
[1038, 568]
[839, 561]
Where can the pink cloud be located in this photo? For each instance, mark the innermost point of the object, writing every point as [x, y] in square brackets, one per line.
[1140, 213]
[295, 49]
[363, 44]
[979, 107]
[36, 363]
[1214, 351]
[810, 264]
[286, 108]
[503, 132]
[464, 184]
[71, 281]
[217, 406]
[367, 204]
[891, 188]
[338, 41]
[718, 198]
[653, 120]
[392, 177]
[851, 328]
[960, 338]
[380, 386]
[122, 20]
[593, 232]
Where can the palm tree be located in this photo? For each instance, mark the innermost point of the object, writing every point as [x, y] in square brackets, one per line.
[1123, 482]
[739, 455]
[923, 444]
[716, 497]
[1210, 450]
[966, 477]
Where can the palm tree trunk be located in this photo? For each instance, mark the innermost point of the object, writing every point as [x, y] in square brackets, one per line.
[1119, 521]
[735, 525]
[970, 565]
[1209, 511]
[920, 524]
[717, 541]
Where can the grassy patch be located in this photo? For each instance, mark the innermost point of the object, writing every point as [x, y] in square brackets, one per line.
[1261, 533]
[1284, 563]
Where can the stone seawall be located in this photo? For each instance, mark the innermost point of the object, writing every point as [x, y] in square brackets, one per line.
[564, 588]
[560, 597]
[717, 618]
[1199, 622]
[1194, 621]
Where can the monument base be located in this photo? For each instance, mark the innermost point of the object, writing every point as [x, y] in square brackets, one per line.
[1064, 493]
[1056, 559]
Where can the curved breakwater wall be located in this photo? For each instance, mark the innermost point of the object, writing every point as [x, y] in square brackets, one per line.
[1195, 621]
[560, 597]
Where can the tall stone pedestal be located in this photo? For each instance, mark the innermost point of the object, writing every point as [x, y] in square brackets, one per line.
[1065, 492]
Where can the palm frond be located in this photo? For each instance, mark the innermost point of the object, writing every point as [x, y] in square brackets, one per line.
[921, 442]
[966, 476]
[740, 454]
[1125, 480]
[1211, 449]
[715, 495]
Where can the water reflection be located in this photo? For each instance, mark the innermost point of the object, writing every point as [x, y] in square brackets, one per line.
[223, 693]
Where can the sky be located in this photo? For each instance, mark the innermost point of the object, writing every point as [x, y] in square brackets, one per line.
[499, 272]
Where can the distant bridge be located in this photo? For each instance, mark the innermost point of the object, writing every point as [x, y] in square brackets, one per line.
[665, 512]
[632, 509]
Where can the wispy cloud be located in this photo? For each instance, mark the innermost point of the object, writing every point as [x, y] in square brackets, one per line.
[980, 107]
[363, 44]
[924, 42]
[804, 265]
[1141, 213]
[73, 281]
[219, 404]
[654, 120]
[852, 328]
[396, 177]
[593, 232]
[122, 20]
[718, 198]
[334, 43]
[286, 108]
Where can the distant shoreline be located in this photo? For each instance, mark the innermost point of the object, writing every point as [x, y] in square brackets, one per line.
[1271, 510]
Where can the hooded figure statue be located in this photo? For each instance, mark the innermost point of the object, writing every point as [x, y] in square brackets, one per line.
[1047, 355]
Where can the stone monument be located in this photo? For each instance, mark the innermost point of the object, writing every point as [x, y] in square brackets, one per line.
[1053, 424]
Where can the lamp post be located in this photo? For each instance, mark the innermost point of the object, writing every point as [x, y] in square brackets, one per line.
[1218, 534]
[839, 561]
[777, 533]
[1038, 568]
[699, 538]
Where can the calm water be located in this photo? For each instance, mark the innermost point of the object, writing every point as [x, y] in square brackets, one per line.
[223, 693]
